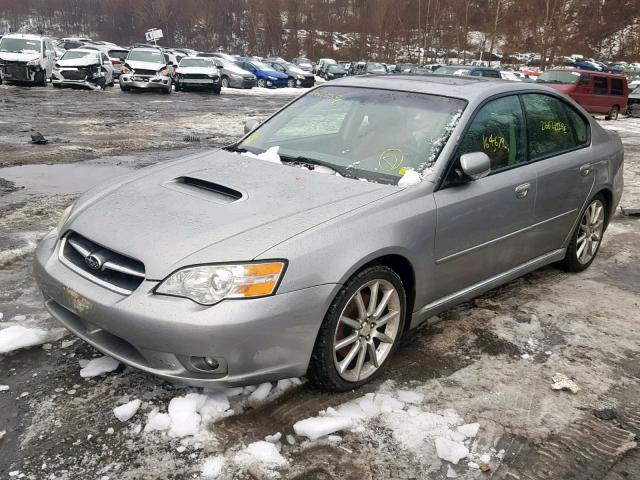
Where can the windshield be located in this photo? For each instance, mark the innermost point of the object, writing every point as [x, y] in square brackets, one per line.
[556, 76]
[362, 132]
[73, 54]
[303, 61]
[196, 62]
[20, 45]
[146, 56]
[262, 66]
[336, 69]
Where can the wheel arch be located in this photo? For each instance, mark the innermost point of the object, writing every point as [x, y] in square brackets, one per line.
[402, 266]
[608, 197]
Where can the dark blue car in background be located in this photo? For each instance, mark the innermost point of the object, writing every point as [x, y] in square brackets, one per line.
[266, 75]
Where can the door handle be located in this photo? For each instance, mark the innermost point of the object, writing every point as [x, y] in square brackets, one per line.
[522, 190]
[585, 170]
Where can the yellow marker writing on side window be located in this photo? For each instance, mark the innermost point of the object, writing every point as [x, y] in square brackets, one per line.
[558, 127]
[493, 143]
[402, 171]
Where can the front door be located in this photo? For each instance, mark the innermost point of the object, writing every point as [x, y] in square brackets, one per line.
[483, 226]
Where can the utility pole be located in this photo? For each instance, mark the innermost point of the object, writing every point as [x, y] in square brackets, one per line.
[420, 52]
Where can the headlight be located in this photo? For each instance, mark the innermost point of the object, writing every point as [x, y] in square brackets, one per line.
[35, 62]
[209, 284]
[125, 69]
[64, 218]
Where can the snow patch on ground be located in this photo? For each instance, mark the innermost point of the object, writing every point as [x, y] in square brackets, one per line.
[98, 366]
[125, 412]
[17, 336]
[260, 454]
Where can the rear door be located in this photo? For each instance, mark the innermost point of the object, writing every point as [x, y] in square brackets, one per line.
[558, 136]
[602, 99]
[482, 225]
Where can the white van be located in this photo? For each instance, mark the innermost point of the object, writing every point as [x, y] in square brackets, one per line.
[26, 58]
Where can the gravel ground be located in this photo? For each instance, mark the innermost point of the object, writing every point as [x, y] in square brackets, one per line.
[490, 361]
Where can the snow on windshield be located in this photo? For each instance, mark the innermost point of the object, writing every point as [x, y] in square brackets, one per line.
[20, 45]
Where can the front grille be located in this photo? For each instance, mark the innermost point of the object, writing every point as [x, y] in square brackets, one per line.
[196, 76]
[73, 74]
[139, 71]
[17, 71]
[102, 265]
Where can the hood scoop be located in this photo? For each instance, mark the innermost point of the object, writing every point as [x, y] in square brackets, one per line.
[205, 189]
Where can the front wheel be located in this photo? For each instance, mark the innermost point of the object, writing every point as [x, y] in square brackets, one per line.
[361, 330]
[587, 237]
[216, 89]
[225, 82]
[613, 114]
[291, 83]
[262, 83]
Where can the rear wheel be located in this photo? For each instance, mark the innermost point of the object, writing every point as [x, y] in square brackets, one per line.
[613, 114]
[291, 83]
[361, 330]
[587, 237]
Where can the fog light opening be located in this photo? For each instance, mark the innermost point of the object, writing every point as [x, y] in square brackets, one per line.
[205, 364]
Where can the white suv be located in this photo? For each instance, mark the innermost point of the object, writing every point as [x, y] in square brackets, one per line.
[26, 58]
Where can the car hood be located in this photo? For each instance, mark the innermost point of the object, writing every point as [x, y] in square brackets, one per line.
[78, 62]
[19, 57]
[188, 212]
[198, 70]
[144, 65]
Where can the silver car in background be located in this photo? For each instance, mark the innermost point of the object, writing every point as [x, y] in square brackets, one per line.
[147, 68]
[226, 269]
[83, 68]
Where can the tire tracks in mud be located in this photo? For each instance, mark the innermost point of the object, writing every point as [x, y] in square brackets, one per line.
[587, 449]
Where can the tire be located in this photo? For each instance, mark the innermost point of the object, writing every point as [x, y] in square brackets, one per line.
[169, 89]
[361, 337]
[124, 89]
[216, 89]
[579, 257]
[262, 83]
[40, 78]
[291, 83]
[225, 82]
[613, 114]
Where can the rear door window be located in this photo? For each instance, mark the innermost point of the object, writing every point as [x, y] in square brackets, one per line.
[600, 85]
[553, 126]
[490, 74]
[617, 86]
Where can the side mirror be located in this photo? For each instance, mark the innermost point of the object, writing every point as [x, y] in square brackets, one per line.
[251, 125]
[475, 165]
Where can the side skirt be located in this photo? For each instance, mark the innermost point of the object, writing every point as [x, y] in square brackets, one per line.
[444, 303]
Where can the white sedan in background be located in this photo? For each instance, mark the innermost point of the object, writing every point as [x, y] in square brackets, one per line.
[198, 72]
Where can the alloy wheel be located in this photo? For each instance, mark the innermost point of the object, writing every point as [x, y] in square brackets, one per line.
[367, 330]
[590, 233]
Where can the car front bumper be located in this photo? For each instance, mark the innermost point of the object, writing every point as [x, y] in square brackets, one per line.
[253, 341]
[144, 82]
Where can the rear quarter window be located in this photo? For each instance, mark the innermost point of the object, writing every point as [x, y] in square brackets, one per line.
[553, 126]
[617, 86]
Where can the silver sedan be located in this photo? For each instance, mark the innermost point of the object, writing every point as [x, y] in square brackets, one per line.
[347, 218]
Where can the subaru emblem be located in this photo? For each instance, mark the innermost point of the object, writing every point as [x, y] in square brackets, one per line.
[93, 262]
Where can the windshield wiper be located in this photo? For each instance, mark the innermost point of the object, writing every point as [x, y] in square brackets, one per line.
[235, 148]
[315, 162]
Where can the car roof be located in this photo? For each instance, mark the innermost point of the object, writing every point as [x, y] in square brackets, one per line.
[26, 36]
[466, 88]
[208, 59]
[580, 70]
